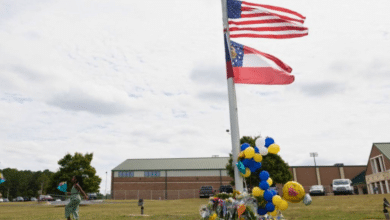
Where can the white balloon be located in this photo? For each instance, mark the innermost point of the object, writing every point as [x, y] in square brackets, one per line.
[307, 199]
[263, 150]
[260, 142]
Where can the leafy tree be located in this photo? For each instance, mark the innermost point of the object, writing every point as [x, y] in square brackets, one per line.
[42, 180]
[25, 180]
[22, 183]
[76, 165]
[12, 183]
[273, 163]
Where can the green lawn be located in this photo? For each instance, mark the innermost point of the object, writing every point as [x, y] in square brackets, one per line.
[323, 208]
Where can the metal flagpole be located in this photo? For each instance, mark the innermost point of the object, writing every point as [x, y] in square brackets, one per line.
[235, 135]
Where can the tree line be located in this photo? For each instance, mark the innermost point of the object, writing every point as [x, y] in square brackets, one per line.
[27, 183]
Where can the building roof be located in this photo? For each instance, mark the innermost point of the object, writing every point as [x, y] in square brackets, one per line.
[384, 148]
[200, 163]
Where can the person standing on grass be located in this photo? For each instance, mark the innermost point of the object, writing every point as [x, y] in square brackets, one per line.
[75, 199]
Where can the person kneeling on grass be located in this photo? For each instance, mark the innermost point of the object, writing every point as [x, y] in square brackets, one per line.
[75, 199]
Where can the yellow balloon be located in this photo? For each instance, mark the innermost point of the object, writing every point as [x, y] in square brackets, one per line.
[276, 200]
[258, 157]
[293, 192]
[213, 217]
[274, 213]
[283, 205]
[247, 173]
[249, 152]
[256, 191]
[242, 154]
[261, 192]
[269, 181]
[273, 149]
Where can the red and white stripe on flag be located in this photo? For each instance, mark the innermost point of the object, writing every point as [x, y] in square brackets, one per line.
[265, 21]
[251, 66]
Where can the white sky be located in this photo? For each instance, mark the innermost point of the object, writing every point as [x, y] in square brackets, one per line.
[146, 79]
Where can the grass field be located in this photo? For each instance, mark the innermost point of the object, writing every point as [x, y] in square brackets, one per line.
[323, 208]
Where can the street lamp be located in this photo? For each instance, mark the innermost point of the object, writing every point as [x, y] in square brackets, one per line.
[314, 155]
[105, 190]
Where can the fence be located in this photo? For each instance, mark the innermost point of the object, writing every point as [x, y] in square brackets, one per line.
[64, 197]
[188, 193]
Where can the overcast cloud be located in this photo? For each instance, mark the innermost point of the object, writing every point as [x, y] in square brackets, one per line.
[146, 79]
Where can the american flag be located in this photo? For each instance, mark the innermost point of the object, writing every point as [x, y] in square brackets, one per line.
[263, 21]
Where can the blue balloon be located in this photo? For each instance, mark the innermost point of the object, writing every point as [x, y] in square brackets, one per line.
[270, 207]
[257, 151]
[244, 146]
[268, 141]
[268, 195]
[256, 166]
[252, 165]
[264, 185]
[246, 162]
[261, 211]
[253, 168]
[264, 175]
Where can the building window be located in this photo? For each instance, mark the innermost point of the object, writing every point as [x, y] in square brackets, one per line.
[126, 174]
[373, 166]
[378, 164]
[152, 173]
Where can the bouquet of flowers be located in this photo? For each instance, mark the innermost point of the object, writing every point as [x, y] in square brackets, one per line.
[2, 179]
[62, 187]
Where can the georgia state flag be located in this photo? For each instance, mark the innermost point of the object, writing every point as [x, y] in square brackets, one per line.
[250, 66]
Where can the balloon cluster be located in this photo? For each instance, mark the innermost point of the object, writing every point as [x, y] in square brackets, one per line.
[2, 179]
[249, 159]
[263, 203]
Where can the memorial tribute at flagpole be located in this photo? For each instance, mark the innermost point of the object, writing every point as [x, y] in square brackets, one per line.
[249, 66]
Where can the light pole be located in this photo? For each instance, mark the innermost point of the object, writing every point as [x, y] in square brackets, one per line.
[314, 155]
[105, 191]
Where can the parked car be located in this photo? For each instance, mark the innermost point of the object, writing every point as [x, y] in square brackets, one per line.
[206, 191]
[58, 200]
[5, 200]
[14, 200]
[26, 199]
[226, 189]
[317, 190]
[45, 198]
[1, 200]
[33, 199]
[342, 186]
[92, 196]
[19, 199]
